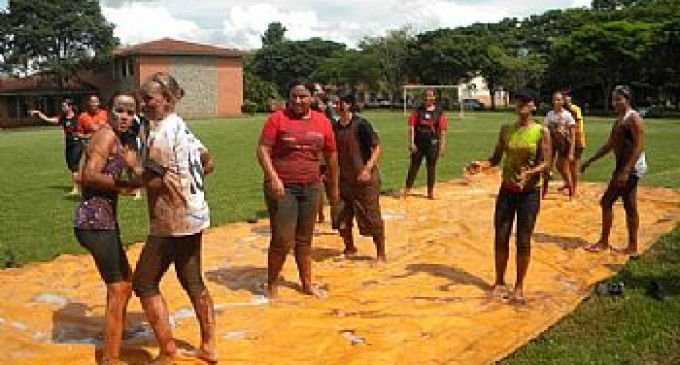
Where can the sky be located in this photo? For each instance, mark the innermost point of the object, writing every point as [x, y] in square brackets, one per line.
[240, 23]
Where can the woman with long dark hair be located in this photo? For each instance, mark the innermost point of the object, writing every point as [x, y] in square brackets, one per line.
[96, 224]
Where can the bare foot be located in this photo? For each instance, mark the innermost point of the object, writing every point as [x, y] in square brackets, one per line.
[380, 261]
[350, 251]
[500, 292]
[208, 356]
[163, 360]
[272, 291]
[597, 247]
[105, 361]
[316, 291]
[518, 297]
[629, 250]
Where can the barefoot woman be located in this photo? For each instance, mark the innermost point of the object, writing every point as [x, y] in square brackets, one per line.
[527, 150]
[288, 151]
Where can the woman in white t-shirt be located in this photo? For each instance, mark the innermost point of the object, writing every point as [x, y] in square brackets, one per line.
[176, 162]
[562, 128]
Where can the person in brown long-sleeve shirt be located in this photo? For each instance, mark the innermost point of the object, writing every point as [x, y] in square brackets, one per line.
[358, 152]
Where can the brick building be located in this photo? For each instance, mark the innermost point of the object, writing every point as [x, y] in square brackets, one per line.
[212, 78]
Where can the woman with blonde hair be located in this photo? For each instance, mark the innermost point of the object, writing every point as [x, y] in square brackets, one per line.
[178, 214]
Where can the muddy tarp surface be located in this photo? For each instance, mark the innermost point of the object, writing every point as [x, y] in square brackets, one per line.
[428, 305]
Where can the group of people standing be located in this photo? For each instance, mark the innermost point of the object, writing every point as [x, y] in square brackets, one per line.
[529, 148]
[298, 149]
[78, 128]
[318, 141]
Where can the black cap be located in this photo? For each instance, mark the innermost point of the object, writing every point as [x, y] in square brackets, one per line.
[525, 95]
[347, 97]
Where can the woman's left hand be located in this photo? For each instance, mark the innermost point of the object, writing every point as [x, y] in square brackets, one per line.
[364, 175]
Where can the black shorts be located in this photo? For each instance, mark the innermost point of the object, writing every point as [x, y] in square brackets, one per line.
[73, 151]
[107, 251]
[561, 147]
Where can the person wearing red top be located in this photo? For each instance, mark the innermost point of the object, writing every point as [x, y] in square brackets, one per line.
[289, 150]
[427, 137]
[92, 119]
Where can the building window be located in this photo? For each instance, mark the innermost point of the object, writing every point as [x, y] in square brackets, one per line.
[123, 68]
[131, 66]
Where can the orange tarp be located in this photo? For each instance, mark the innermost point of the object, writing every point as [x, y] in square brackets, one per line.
[426, 306]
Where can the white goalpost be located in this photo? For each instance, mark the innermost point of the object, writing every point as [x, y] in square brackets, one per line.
[457, 88]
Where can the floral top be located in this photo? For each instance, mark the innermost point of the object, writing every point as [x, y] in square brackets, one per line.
[97, 209]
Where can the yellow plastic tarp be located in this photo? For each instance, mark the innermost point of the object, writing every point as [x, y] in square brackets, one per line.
[428, 305]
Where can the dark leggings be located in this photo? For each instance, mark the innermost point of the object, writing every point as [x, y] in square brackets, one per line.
[524, 205]
[156, 257]
[430, 151]
[107, 251]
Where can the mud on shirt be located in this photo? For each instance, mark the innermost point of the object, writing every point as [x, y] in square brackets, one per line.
[559, 123]
[174, 146]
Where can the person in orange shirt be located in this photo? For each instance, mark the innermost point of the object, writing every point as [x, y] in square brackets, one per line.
[92, 119]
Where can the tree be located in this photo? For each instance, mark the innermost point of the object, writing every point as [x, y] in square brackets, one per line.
[663, 59]
[5, 40]
[281, 63]
[391, 53]
[258, 91]
[602, 55]
[440, 57]
[274, 35]
[351, 68]
[616, 4]
[58, 37]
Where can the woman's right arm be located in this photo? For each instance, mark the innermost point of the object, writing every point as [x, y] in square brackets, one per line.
[264, 153]
[43, 117]
[412, 120]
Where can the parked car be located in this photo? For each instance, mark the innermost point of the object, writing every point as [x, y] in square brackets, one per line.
[472, 104]
[654, 111]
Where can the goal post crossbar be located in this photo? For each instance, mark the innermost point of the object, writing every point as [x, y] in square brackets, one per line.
[422, 87]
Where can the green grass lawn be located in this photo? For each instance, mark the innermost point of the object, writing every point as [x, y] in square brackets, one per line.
[36, 219]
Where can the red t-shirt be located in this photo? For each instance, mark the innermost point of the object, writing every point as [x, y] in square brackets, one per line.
[297, 144]
[415, 119]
